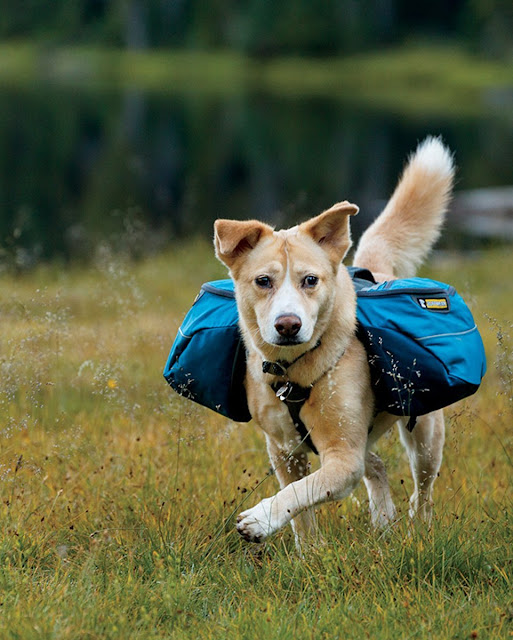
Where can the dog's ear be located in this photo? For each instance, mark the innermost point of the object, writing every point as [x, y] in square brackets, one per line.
[233, 238]
[331, 230]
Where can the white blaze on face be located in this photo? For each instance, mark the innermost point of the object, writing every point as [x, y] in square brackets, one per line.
[287, 300]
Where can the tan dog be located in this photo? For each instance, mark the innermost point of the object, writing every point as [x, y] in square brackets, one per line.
[297, 306]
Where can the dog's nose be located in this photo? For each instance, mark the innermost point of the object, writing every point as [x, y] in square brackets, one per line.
[288, 325]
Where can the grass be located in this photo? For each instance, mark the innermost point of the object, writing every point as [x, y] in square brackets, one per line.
[442, 80]
[118, 497]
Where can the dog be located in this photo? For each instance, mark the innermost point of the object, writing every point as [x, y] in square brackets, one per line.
[297, 309]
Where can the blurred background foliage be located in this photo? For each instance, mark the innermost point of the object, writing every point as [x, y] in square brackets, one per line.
[139, 122]
[262, 27]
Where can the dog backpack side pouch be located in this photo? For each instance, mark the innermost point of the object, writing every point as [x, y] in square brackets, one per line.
[424, 349]
[207, 362]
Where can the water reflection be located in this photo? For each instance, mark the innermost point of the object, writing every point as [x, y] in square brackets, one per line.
[80, 166]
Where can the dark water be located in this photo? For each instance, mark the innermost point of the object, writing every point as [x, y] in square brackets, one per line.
[80, 167]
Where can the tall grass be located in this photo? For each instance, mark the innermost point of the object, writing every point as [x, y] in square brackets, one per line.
[118, 497]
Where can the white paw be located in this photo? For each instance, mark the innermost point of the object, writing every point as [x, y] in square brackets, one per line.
[259, 522]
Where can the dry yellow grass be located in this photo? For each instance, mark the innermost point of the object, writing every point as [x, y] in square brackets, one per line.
[117, 495]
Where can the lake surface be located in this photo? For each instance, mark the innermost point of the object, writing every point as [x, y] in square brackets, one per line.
[80, 167]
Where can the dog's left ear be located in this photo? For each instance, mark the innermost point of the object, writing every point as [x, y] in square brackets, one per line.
[234, 238]
[331, 230]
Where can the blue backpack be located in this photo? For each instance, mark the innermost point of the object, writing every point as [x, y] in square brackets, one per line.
[207, 362]
[423, 347]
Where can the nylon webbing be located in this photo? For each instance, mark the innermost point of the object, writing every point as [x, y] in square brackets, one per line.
[295, 399]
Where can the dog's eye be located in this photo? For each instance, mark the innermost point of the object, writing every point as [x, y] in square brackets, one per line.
[310, 281]
[263, 282]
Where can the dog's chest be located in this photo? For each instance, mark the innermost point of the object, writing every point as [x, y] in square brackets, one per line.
[273, 417]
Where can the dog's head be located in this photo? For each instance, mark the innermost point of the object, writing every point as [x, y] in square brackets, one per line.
[285, 280]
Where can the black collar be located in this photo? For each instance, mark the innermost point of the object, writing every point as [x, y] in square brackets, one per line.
[280, 367]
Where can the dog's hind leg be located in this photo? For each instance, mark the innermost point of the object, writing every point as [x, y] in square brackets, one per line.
[381, 506]
[424, 446]
[288, 468]
[382, 509]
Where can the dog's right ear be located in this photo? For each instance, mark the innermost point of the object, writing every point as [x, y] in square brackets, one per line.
[234, 238]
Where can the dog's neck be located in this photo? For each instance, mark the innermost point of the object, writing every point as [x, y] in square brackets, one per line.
[281, 366]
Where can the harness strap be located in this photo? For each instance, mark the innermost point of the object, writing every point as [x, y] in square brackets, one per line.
[295, 396]
[292, 394]
[411, 423]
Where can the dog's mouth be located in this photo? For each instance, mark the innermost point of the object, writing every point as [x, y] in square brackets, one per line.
[287, 342]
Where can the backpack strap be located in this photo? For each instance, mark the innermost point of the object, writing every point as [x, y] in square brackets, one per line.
[411, 423]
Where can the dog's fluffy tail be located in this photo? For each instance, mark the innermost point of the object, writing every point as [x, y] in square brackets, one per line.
[401, 237]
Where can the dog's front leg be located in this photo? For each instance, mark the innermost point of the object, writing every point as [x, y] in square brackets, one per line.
[290, 467]
[341, 470]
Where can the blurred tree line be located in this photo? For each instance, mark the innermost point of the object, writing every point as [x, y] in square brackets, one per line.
[137, 170]
[261, 27]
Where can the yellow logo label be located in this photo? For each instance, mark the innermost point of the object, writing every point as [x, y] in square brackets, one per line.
[434, 304]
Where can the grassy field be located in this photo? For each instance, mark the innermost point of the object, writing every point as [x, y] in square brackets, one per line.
[118, 497]
[443, 80]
